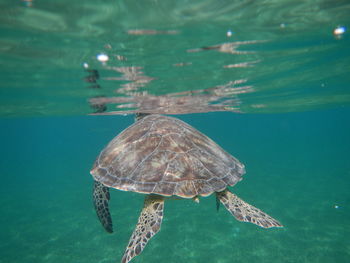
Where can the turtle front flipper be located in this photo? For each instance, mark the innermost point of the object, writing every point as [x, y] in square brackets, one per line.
[147, 226]
[101, 198]
[245, 212]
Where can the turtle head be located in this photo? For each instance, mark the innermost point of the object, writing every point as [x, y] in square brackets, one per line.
[140, 115]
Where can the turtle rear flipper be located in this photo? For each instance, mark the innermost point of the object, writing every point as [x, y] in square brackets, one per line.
[101, 198]
[147, 226]
[245, 212]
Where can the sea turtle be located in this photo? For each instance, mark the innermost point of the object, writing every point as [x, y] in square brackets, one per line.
[164, 157]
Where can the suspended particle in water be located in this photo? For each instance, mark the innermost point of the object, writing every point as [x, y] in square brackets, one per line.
[339, 31]
[229, 33]
[102, 57]
[85, 65]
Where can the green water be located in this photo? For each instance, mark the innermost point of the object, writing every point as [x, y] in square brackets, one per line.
[297, 171]
[289, 123]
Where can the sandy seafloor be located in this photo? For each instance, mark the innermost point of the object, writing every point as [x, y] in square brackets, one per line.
[298, 171]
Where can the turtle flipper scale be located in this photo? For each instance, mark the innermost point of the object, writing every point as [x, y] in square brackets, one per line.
[101, 198]
[245, 212]
[147, 226]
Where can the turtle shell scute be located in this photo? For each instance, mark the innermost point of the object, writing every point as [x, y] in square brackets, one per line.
[164, 155]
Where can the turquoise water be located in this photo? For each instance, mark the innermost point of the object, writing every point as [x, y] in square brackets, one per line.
[297, 171]
[278, 101]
